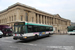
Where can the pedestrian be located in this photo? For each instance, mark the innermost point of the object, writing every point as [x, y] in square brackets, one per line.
[58, 31]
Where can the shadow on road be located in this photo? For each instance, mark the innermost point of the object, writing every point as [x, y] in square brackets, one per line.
[6, 36]
[30, 40]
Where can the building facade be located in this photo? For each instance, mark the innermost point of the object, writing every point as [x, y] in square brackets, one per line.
[20, 12]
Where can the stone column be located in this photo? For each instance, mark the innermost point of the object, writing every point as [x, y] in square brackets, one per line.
[41, 18]
[34, 17]
[46, 19]
[37, 18]
[61, 22]
[56, 21]
[29, 16]
[49, 20]
[24, 15]
[7, 17]
[64, 22]
[17, 14]
[53, 20]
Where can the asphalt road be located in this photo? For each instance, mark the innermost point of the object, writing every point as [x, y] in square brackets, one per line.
[54, 42]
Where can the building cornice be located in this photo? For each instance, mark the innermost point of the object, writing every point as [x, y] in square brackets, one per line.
[29, 7]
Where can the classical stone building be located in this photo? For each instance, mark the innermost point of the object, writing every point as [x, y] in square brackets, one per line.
[20, 12]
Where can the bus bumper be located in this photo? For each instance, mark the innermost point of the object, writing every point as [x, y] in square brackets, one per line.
[22, 38]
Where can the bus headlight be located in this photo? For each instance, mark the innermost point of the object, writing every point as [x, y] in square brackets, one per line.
[25, 37]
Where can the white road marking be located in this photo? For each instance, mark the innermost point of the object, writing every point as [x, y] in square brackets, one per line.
[62, 47]
[31, 44]
[13, 47]
[6, 41]
[55, 47]
[6, 37]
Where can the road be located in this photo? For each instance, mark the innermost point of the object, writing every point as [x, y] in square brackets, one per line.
[54, 42]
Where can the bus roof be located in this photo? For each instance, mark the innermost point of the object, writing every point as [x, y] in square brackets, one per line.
[27, 23]
[71, 26]
[38, 24]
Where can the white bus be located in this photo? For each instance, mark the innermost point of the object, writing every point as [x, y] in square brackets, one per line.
[71, 30]
[24, 30]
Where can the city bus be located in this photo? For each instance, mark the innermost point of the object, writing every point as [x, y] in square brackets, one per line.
[24, 30]
[71, 30]
[6, 29]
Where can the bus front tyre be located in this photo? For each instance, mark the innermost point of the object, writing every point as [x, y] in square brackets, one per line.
[14, 38]
[4, 34]
[36, 36]
[49, 35]
[9, 34]
[0, 36]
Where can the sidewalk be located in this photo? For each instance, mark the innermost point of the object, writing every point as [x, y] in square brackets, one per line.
[60, 34]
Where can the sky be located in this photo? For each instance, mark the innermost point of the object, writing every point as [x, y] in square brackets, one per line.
[65, 8]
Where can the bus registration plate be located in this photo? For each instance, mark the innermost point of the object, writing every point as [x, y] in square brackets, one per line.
[17, 34]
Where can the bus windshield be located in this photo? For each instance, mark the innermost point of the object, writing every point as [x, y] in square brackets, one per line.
[19, 29]
[71, 28]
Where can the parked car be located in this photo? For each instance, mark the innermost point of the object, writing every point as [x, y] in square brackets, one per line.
[1, 34]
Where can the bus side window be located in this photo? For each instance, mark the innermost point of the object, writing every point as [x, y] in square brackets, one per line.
[47, 29]
[44, 28]
[35, 29]
[38, 29]
[41, 28]
[30, 28]
[51, 28]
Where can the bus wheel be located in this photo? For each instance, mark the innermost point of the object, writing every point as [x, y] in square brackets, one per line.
[4, 34]
[0, 36]
[49, 35]
[36, 36]
[9, 34]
